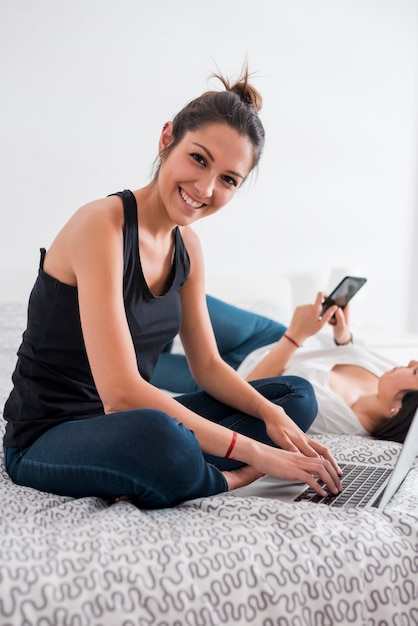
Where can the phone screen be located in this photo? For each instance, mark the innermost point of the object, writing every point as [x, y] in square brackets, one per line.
[343, 293]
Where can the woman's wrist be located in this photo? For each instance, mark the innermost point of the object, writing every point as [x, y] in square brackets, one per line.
[288, 335]
[344, 343]
[245, 449]
[272, 414]
[231, 445]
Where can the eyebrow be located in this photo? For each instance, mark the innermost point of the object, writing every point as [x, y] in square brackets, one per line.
[212, 159]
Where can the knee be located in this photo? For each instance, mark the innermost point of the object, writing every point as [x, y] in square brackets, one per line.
[304, 404]
[160, 442]
[153, 432]
[167, 466]
[296, 395]
[281, 387]
[302, 387]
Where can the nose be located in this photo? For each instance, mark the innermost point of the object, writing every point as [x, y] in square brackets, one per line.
[204, 186]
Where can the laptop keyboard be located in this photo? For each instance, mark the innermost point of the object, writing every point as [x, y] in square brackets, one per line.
[359, 483]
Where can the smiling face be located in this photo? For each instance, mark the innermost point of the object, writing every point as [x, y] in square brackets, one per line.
[202, 173]
[394, 383]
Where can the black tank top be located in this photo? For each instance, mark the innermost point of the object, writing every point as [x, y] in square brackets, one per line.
[52, 380]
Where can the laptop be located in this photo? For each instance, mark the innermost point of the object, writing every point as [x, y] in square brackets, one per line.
[364, 485]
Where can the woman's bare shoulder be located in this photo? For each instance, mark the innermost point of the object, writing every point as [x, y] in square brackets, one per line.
[108, 209]
[191, 239]
[93, 230]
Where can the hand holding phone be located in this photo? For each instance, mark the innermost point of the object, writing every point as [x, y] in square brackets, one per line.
[343, 292]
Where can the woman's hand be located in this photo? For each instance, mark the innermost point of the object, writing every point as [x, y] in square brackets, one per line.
[289, 465]
[285, 433]
[307, 319]
[341, 325]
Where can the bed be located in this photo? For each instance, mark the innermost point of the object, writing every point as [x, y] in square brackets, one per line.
[227, 559]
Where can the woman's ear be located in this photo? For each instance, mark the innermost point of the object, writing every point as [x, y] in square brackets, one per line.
[166, 137]
[397, 404]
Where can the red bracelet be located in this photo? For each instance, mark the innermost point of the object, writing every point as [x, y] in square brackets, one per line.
[291, 340]
[231, 447]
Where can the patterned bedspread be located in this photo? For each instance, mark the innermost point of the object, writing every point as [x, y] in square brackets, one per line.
[221, 560]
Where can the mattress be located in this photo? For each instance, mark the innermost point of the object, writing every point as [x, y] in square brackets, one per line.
[226, 559]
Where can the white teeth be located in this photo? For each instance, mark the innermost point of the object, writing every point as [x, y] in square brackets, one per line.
[189, 201]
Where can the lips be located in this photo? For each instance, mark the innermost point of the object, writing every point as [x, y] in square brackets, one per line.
[189, 201]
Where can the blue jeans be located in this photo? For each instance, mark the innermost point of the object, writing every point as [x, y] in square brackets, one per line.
[146, 454]
[238, 333]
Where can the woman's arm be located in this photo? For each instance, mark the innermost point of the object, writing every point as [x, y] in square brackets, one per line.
[88, 253]
[219, 379]
[306, 321]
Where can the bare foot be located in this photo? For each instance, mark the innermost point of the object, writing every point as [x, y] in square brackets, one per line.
[241, 477]
[120, 498]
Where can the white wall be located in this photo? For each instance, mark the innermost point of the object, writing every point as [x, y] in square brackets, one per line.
[87, 85]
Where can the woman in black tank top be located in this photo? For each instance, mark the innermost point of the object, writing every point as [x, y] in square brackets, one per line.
[120, 280]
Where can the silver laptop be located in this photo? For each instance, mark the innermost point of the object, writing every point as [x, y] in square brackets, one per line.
[364, 485]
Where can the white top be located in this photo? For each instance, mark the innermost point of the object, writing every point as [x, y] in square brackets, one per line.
[334, 415]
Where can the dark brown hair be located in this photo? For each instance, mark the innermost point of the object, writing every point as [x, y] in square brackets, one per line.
[395, 428]
[238, 106]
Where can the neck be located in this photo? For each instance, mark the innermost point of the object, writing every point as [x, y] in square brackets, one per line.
[152, 216]
[369, 410]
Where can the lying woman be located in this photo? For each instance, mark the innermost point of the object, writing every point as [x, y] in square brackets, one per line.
[358, 391]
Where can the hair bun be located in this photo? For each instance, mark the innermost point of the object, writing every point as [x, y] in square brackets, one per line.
[248, 94]
[243, 89]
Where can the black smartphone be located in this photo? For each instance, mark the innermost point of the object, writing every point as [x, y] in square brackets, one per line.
[343, 292]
